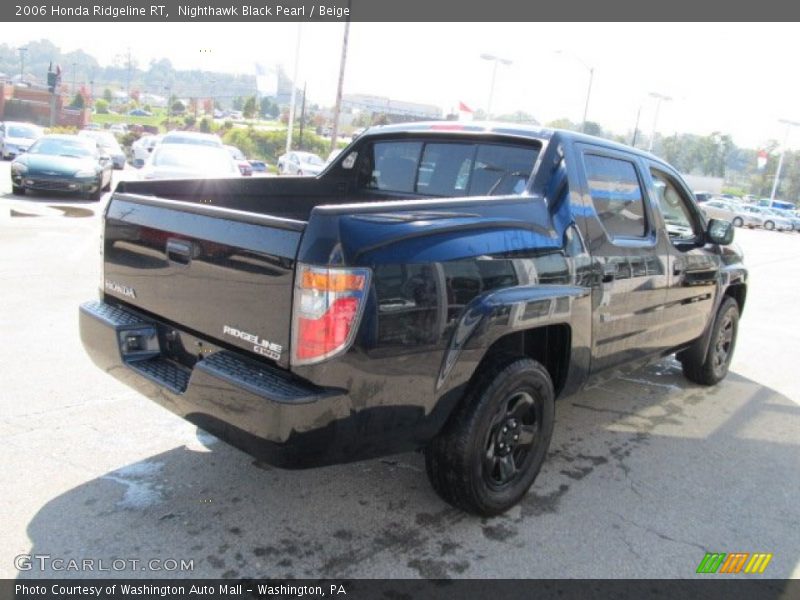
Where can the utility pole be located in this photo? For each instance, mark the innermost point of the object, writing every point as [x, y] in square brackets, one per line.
[636, 127]
[338, 108]
[128, 76]
[294, 89]
[302, 118]
[22, 52]
[74, 74]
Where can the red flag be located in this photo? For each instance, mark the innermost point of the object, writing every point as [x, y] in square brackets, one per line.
[464, 108]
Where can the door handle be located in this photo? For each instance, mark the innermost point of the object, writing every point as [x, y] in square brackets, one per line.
[179, 251]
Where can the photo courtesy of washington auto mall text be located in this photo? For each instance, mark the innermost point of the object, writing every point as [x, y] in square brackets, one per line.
[380, 299]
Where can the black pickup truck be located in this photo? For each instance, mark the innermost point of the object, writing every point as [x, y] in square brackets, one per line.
[436, 288]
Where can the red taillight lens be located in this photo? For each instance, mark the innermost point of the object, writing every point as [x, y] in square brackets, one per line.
[327, 308]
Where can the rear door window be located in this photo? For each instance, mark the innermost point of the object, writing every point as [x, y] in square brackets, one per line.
[448, 168]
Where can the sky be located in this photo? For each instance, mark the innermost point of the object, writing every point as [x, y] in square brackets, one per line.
[736, 78]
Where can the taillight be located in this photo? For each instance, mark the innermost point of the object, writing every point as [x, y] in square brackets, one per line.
[328, 303]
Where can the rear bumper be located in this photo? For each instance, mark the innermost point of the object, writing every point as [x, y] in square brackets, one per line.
[261, 410]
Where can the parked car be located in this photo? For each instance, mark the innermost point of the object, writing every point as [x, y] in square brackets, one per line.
[300, 163]
[109, 143]
[793, 219]
[191, 137]
[181, 161]
[365, 313]
[259, 167]
[140, 112]
[703, 196]
[245, 168]
[771, 220]
[118, 129]
[62, 163]
[142, 148]
[16, 138]
[719, 209]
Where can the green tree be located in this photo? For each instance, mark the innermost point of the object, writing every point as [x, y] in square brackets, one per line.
[78, 101]
[178, 108]
[108, 96]
[249, 108]
[101, 106]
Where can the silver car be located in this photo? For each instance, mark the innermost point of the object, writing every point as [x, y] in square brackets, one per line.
[16, 138]
[300, 163]
[192, 161]
[718, 208]
[771, 221]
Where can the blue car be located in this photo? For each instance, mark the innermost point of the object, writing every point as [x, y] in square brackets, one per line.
[62, 163]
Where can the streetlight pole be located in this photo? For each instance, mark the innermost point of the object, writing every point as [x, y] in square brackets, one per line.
[590, 69]
[22, 52]
[495, 60]
[659, 98]
[789, 125]
[337, 109]
[294, 89]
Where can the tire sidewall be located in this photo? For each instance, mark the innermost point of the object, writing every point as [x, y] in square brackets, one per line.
[738, 222]
[522, 375]
[730, 306]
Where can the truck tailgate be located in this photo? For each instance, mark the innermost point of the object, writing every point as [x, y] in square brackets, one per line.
[222, 273]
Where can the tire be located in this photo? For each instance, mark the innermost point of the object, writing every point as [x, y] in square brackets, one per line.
[712, 367]
[98, 193]
[107, 187]
[299, 173]
[17, 190]
[769, 225]
[476, 463]
[737, 222]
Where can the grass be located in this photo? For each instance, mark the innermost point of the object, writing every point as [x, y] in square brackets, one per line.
[153, 121]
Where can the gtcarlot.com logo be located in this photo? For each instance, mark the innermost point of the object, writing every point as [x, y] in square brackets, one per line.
[47, 562]
[735, 562]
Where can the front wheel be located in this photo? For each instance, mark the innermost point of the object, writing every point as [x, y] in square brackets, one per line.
[17, 190]
[712, 367]
[737, 222]
[769, 225]
[492, 448]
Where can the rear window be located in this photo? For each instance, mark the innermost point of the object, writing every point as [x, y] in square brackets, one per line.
[448, 168]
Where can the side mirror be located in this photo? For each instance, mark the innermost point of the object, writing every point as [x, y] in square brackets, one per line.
[138, 163]
[719, 232]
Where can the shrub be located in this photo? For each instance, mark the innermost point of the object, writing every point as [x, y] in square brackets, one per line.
[101, 106]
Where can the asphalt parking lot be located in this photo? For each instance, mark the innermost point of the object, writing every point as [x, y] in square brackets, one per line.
[645, 475]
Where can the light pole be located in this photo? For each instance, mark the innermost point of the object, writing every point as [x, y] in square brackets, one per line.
[789, 124]
[169, 103]
[659, 98]
[293, 99]
[22, 52]
[495, 60]
[590, 69]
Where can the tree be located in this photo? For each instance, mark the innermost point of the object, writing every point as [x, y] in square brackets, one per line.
[178, 108]
[108, 96]
[78, 101]
[101, 106]
[268, 108]
[249, 108]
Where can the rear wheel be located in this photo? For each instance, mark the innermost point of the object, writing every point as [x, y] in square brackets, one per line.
[737, 222]
[493, 446]
[769, 225]
[712, 367]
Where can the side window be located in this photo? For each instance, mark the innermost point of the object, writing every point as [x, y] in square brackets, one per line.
[394, 166]
[674, 206]
[616, 195]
